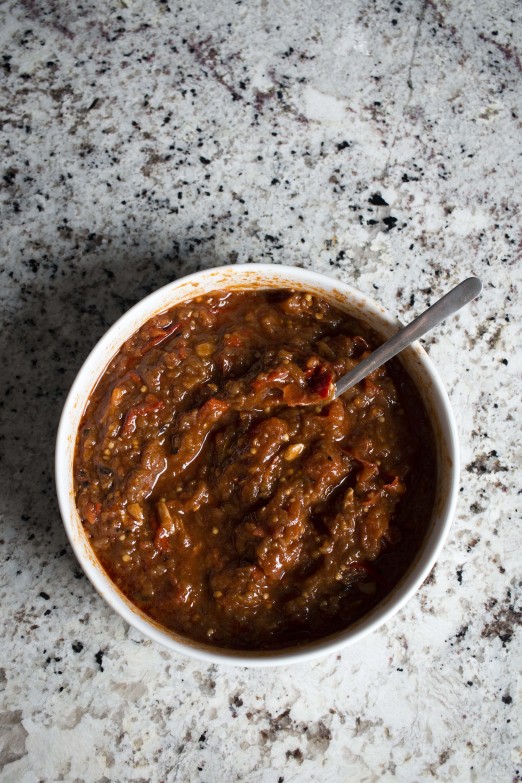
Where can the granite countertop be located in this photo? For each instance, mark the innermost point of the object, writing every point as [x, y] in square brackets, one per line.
[377, 142]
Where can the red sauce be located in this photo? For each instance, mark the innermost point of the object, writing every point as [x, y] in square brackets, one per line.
[225, 507]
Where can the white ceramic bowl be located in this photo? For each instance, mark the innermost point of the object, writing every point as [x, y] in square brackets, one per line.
[255, 276]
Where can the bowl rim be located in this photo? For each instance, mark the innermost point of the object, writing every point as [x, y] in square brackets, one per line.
[83, 385]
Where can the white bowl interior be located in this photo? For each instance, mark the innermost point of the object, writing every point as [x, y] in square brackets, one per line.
[255, 276]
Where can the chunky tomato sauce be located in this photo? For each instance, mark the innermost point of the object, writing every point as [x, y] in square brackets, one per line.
[227, 497]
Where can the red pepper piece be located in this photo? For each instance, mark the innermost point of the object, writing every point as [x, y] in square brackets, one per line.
[162, 539]
[91, 512]
[370, 387]
[160, 336]
[320, 380]
[212, 409]
[278, 375]
[151, 404]
[395, 486]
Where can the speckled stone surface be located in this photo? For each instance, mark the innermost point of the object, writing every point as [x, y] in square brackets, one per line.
[377, 142]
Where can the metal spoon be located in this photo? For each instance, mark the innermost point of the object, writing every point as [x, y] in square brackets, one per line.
[434, 315]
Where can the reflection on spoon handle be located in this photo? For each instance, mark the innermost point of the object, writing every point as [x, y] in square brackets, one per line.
[434, 315]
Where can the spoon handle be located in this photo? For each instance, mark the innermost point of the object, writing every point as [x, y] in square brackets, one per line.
[449, 304]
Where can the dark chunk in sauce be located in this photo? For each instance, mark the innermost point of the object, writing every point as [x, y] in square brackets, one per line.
[228, 510]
